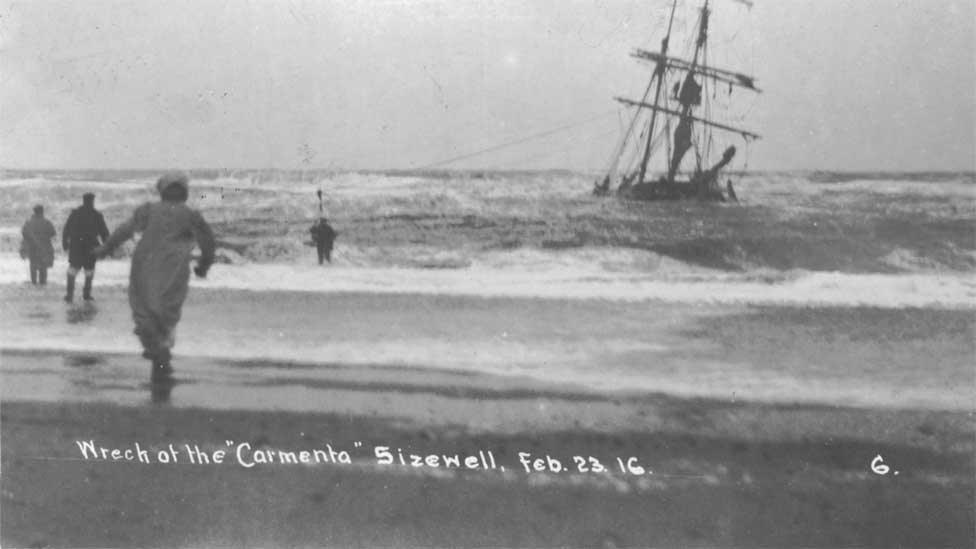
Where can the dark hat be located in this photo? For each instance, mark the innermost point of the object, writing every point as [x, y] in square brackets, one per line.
[88, 198]
[38, 209]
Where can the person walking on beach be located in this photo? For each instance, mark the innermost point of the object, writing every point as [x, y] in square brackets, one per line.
[36, 245]
[160, 274]
[83, 232]
[324, 236]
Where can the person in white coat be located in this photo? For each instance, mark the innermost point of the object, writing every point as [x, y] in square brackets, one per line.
[160, 274]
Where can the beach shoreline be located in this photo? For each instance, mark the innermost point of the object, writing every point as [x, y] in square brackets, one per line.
[866, 356]
[734, 425]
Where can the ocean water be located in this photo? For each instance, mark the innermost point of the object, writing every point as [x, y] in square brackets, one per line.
[525, 276]
[887, 240]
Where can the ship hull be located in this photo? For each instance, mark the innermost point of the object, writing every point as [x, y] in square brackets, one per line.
[678, 190]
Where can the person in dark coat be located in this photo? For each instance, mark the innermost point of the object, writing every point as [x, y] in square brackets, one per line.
[83, 232]
[36, 245]
[160, 275]
[323, 235]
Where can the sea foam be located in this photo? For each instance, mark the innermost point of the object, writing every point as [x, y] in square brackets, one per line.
[576, 280]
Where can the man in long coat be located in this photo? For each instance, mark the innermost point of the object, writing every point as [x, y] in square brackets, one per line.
[36, 246]
[160, 274]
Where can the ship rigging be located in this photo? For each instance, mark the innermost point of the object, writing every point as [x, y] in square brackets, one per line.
[689, 83]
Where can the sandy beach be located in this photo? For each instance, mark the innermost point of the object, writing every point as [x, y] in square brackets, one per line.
[716, 462]
[764, 485]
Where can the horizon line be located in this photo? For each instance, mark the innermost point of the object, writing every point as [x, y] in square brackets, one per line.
[470, 170]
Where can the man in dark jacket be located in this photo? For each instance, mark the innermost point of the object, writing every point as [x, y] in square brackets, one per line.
[83, 232]
[323, 235]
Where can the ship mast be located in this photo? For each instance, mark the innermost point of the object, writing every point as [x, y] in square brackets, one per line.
[659, 74]
[690, 95]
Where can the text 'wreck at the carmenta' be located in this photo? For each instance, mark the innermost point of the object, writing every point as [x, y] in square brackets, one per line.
[674, 122]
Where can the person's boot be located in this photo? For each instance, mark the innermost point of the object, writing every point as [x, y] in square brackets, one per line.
[70, 293]
[33, 272]
[86, 291]
[42, 276]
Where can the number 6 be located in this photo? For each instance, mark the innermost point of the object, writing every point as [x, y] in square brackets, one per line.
[878, 465]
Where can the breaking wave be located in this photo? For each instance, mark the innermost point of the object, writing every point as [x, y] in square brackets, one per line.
[578, 276]
[914, 234]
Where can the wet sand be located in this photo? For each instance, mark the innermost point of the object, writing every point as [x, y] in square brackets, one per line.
[862, 356]
[746, 461]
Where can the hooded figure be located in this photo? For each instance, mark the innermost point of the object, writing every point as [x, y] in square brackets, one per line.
[160, 273]
[36, 246]
[82, 233]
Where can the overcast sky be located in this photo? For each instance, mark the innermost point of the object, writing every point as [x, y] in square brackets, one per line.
[859, 84]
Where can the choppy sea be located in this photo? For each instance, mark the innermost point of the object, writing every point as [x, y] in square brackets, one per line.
[527, 274]
[881, 239]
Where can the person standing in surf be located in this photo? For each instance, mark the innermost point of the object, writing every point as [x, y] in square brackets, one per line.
[323, 235]
[160, 273]
[36, 245]
[83, 232]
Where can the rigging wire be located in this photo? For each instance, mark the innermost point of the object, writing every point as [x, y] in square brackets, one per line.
[615, 158]
[621, 144]
[668, 134]
[531, 158]
[708, 104]
[516, 142]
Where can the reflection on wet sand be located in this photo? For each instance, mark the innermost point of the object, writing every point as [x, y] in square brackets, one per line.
[82, 314]
[39, 314]
[82, 361]
[160, 391]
